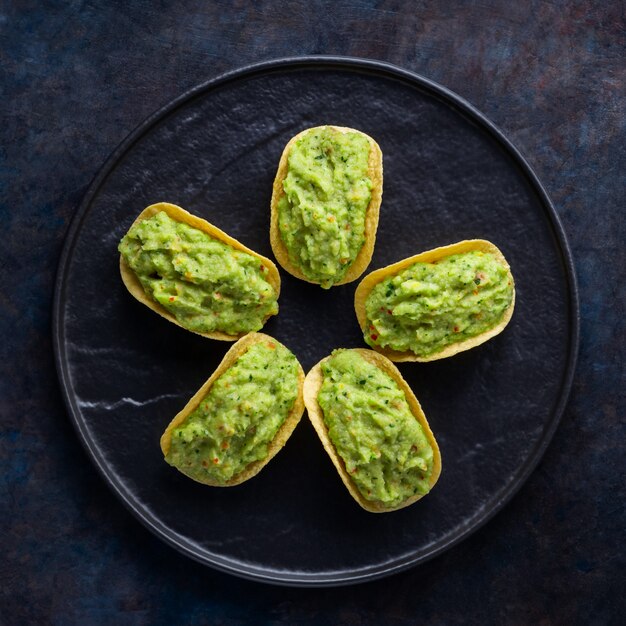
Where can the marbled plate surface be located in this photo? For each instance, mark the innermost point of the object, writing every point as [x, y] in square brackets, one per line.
[448, 177]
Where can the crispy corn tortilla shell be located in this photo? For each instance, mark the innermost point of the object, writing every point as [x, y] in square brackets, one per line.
[375, 172]
[371, 280]
[283, 433]
[312, 386]
[180, 215]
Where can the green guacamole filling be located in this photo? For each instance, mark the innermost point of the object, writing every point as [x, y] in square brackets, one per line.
[321, 216]
[240, 415]
[383, 446]
[204, 283]
[429, 306]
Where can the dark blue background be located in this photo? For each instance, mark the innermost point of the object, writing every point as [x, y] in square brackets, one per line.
[78, 76]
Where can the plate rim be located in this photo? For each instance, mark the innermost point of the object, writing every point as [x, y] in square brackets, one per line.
[258, 573]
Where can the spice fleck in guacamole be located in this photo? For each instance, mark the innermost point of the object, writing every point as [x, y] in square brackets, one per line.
[429, 306]
[206, 284]
[369, 421]
[321, 216]
[239, 417]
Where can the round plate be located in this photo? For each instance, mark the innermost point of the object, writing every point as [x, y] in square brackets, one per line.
[449, 175]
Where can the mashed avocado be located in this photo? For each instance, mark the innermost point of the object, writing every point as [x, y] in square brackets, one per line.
[204, 283]
[240, 415]
[321, 216]
[370, 423]
[429, 306]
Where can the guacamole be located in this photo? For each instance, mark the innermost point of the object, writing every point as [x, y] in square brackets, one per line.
[204, 283]
[239, 417]
[429, 306]
[321, 216]
[382, 444]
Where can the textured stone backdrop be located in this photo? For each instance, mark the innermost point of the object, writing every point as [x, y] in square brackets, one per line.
[78, 76]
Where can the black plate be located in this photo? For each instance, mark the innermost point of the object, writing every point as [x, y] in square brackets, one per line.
[449, 175]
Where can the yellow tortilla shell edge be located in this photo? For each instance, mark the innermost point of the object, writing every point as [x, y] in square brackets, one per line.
[283, 433]
[371, 280]
[312, 385]
[180, 215]
[375, 172]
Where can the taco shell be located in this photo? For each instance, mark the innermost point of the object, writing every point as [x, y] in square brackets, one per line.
[375, 173]
[312, 386]
[430, 256]
[180, 215]
[283, 433]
